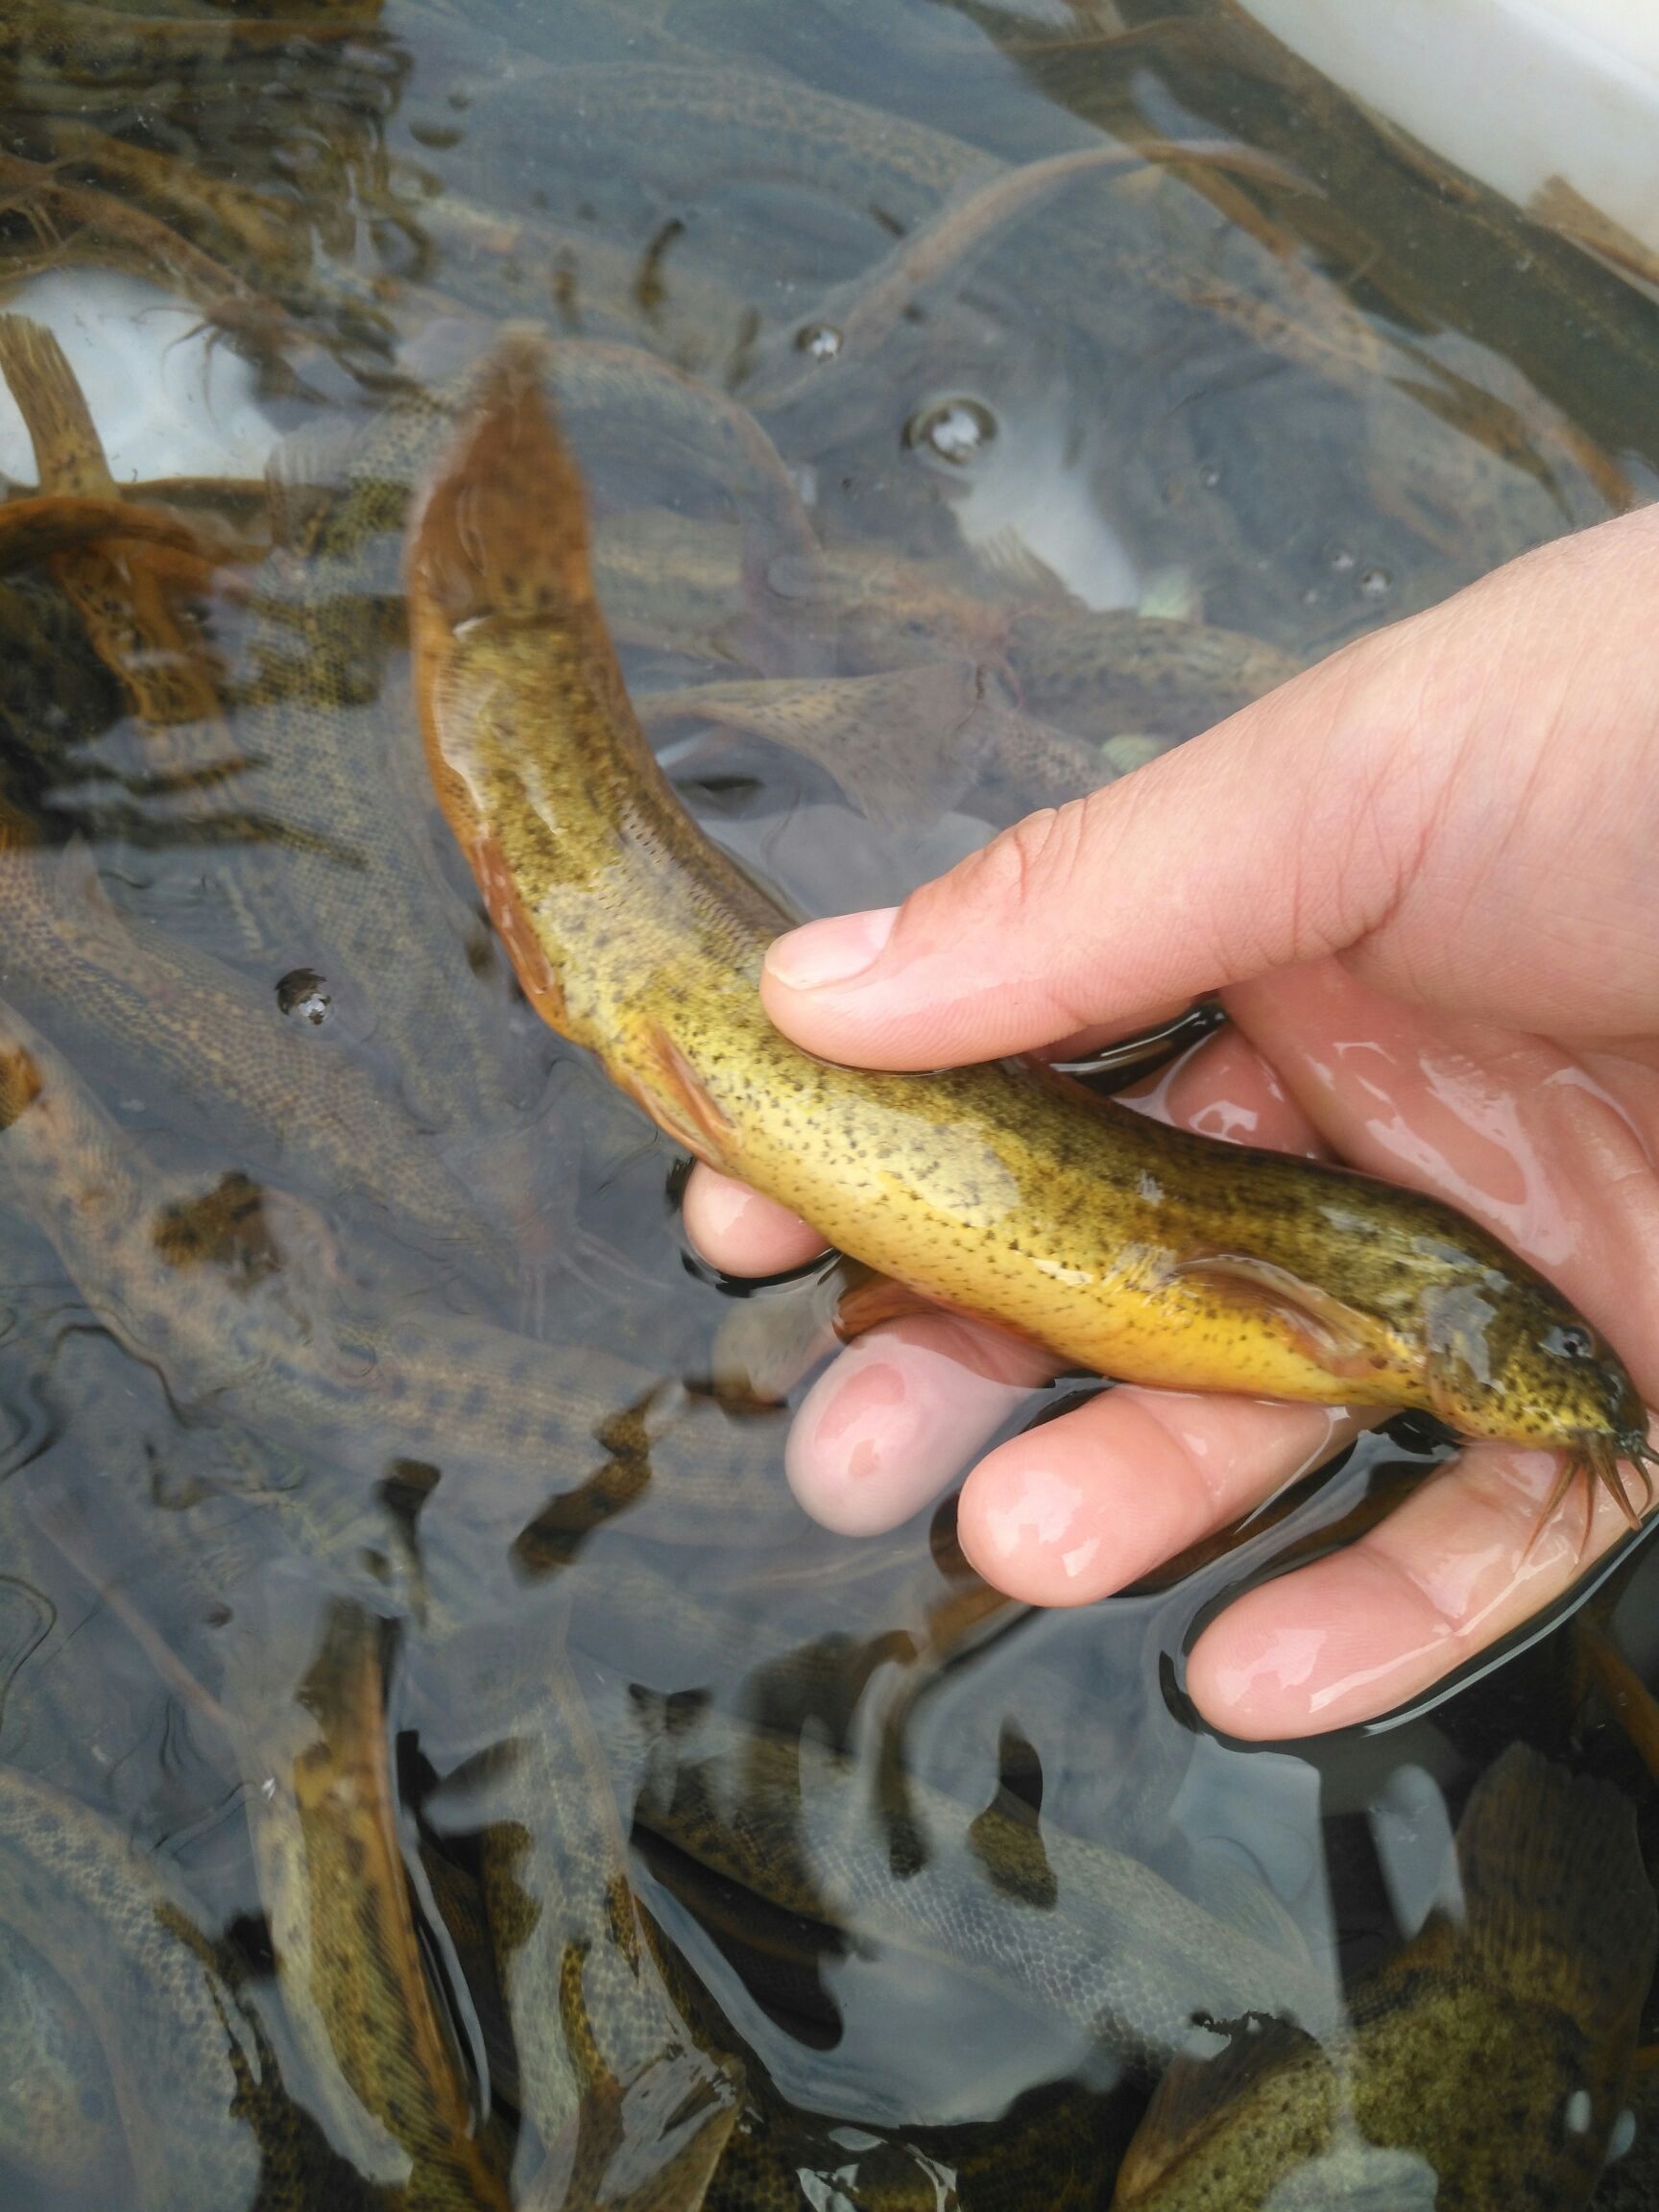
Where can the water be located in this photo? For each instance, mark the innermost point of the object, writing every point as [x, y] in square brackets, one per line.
[399, 1369]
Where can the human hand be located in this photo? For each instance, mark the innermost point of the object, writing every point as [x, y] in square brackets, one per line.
[1422, 878]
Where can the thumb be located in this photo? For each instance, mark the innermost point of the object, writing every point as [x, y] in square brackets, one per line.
[1281, 835]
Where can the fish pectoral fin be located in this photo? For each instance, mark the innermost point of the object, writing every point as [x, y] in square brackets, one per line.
[872, 1300]
[1324, 1330]
[1195, 2095]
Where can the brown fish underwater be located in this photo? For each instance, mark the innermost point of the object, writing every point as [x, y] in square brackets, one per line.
[1144, 1252]
[1485, 2066]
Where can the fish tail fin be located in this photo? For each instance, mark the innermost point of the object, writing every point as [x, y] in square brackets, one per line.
[68, 452]
[1556, 1899]
[502, 528]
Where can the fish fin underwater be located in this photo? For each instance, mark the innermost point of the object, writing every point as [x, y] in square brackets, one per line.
[1556, 1903]
[1264, 2061]
[1522, 2001]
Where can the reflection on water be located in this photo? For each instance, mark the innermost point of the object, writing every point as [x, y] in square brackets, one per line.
[976, 402]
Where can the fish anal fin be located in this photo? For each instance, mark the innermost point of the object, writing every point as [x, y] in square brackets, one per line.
[868, 1304]
[494, 875]
[660, 1078]
[502, 529]
[1333, 1335]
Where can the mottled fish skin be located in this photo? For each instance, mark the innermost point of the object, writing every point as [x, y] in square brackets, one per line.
[1493, 2052]
[116, 1926]
[632, 2111]
[1142, 1251]
[231, 1294]
[1063, 1925]
[1050, 2150]
[323, 1812]
[59, 2124]
[102, 46]
[215, 1052]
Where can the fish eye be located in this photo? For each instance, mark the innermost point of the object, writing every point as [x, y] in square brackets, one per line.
[1571, 1343]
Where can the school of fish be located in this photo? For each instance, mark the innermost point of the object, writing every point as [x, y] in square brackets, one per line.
[438, 1765]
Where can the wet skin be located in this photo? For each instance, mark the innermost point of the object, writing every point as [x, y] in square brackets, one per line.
[1439, 1032]
[992, 1190]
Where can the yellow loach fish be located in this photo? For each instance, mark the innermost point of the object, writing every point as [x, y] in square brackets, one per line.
[1002, 1190]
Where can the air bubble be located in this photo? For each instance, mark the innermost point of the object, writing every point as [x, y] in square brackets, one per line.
[1210, 475]
[1375, 584]
[955, 430]
[819, 341]
[1341, 559]
[303, 991]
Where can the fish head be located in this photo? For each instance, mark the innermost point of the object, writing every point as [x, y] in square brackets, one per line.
[1509, 1359]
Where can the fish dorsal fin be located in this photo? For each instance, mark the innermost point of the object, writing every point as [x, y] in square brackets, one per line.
[1556, 1902]
[1333, 1335]
[502, 528]
[1196, 2094]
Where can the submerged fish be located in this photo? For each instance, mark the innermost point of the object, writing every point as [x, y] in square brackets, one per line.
[232, 1068]
[58, 2118]
[231, 1295]
[323, 1811]
[1486, 2065]
[632, 2111]
[1066, 1927]
[905, 744]
[118, 1928]
[1142, 1251]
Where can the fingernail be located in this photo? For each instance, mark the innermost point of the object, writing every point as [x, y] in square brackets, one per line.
[834, 950]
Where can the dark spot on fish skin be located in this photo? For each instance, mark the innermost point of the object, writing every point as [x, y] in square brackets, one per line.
[650, 291]
[405, 1490]
[226, 1228]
